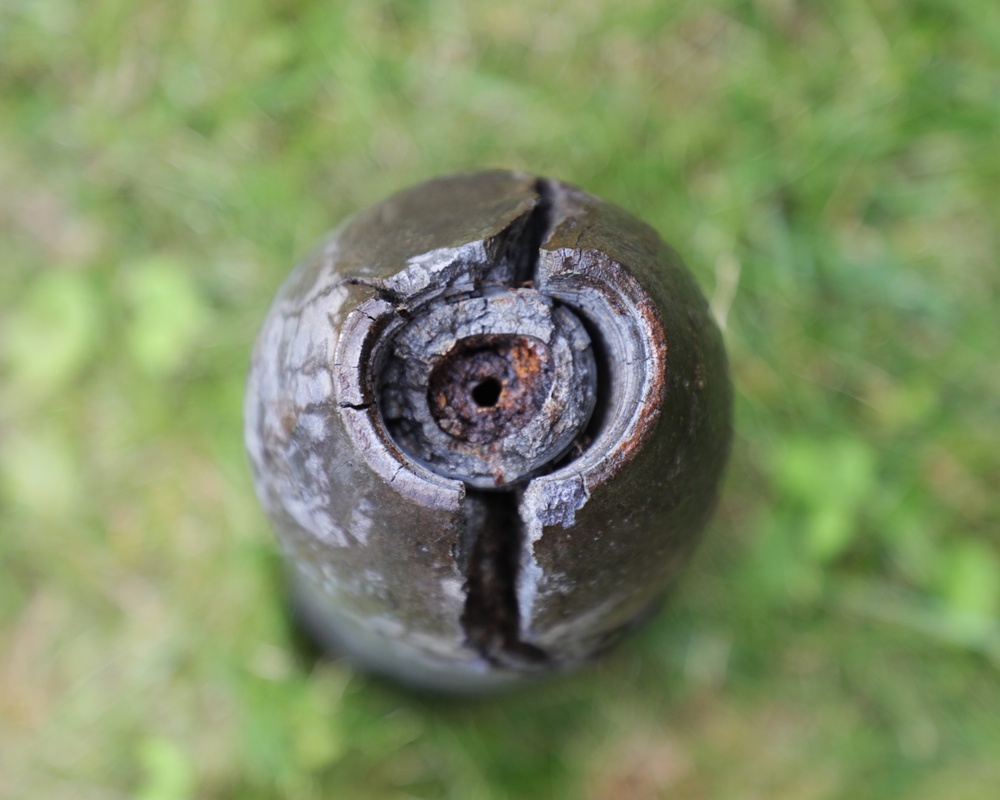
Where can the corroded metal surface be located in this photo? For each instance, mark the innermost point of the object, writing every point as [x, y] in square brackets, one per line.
[488, 387]
[487, 418]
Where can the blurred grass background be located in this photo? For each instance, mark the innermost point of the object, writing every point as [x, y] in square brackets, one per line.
[830, 173]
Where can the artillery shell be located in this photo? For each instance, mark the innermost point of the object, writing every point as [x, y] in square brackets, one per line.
[488, 419]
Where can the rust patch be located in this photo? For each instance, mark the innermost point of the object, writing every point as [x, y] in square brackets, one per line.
[288, 418]
[487, 386]
[653, 396]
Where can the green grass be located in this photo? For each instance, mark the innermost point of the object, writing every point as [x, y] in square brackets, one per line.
[830, 173]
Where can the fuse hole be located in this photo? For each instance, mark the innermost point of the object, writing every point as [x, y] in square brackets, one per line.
[486, 393]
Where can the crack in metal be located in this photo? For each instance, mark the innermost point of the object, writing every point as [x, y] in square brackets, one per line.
[495, 531]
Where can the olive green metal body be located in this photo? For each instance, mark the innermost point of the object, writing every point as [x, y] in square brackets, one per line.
[539, 308]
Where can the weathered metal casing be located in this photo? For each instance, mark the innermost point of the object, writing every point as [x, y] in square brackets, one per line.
[412, 571]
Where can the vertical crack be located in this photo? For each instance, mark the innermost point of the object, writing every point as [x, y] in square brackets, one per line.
[526, 246]
[491, 617]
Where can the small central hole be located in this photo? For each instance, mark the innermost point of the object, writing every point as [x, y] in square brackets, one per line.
[486, 393]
